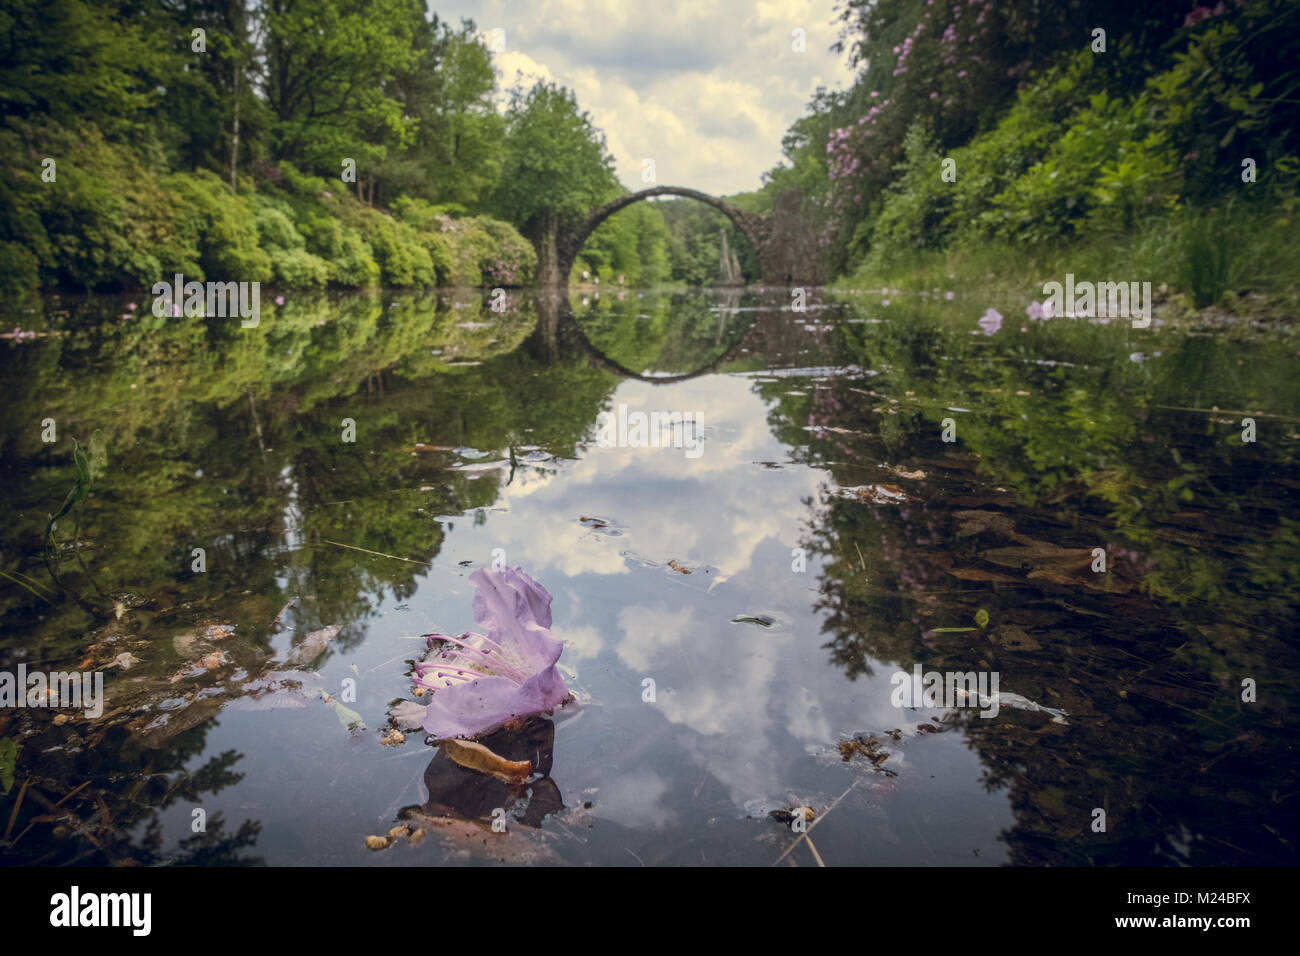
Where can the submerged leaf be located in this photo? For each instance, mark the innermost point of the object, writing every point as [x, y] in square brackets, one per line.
[312, 646]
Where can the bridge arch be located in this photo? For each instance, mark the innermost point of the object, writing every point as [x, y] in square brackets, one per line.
[569, 241]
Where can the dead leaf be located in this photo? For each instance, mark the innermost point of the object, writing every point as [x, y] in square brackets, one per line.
[1012, 638]
[677, 567]
[312, 646]
[977, 522]
[879, 494]
[1071, 567]
[977, 574]
[279, 618]
[475, 756]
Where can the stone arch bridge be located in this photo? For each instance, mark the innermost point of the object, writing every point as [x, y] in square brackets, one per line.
[784, 241]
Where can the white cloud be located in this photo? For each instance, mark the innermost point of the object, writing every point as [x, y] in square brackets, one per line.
[706, 89]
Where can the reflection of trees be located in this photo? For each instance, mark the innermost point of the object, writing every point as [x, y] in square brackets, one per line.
[1147, 660]
[234, 444]
[675, 337]
[76, 793]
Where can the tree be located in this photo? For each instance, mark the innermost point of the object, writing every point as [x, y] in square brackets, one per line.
[329, 70]
[555, 168]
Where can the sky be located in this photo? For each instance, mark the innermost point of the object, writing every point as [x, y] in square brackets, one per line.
[704, 88]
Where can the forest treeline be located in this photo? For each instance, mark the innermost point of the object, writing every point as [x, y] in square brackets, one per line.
[335, 144]
[306, 145]
[988, 137]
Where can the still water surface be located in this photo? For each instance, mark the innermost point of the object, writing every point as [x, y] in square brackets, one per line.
[831, 535]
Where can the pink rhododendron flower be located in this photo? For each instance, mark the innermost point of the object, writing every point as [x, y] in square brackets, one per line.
[481, 682]
[1039, 310]
[991, 321]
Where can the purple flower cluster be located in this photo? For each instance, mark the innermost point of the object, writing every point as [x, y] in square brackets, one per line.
[1205, 13]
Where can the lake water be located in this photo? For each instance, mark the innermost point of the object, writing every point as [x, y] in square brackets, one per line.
[734, 613]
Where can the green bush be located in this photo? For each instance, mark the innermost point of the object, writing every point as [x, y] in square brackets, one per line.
[1066, 159]
[298, 268]
[275, 229]
[222, 227]
[354, 265]
[402, 259]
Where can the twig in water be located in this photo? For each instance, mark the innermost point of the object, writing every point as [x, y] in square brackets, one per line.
[378, 554]
[804, 836]
[14, 815]
[816, 856]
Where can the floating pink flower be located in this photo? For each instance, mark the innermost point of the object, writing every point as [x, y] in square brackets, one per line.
[1036, 310]
[130, 306]
[479, 683]
[949, 295]
[991, 321]
[279, 300]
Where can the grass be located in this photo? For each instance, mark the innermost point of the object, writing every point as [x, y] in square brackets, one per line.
[1202, 257]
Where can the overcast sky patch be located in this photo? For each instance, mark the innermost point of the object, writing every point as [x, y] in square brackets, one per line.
[705, 89]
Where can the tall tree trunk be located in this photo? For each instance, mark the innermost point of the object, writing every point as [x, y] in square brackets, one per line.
[548, 255]
[234, 137]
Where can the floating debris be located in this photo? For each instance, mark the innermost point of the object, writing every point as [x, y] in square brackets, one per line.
[476, 756]
[762, 620]
[1014, 701]
[313, 646]
[869, 748]
[875, 494]
[788, 816]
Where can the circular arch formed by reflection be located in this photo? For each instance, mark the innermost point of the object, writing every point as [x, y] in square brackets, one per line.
[570, 331]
